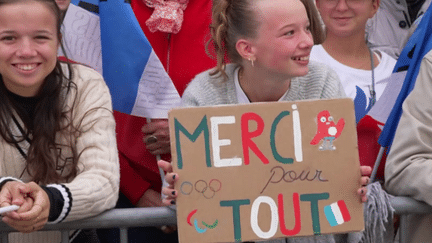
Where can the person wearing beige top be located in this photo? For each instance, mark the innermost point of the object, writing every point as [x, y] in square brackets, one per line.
[409, 164]
[58, 152]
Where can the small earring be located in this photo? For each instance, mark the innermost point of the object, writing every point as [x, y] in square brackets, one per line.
[252, 61]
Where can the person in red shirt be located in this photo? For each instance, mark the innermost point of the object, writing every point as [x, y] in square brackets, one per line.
[183, 55]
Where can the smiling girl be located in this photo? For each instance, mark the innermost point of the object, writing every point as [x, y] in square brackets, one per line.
[58, 156]
[362, 72]
[268, 43]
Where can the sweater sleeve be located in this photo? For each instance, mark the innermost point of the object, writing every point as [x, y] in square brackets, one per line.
[60, 202]
[96, 186]
[408, 168]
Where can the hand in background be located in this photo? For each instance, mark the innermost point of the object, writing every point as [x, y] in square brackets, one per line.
[156, 136]
[150, 198]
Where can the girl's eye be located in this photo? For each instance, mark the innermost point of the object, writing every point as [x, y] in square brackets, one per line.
[289, 33]
[41, 37]
[308, 28]
[7, 38]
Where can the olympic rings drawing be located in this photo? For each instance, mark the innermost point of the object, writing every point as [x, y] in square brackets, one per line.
[189, 188]
[208, 190]
[215, 185]
[202, 187]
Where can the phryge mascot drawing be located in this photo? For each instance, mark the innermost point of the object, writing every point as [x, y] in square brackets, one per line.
[327, 130]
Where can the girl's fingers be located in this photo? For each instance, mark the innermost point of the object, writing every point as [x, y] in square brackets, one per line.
[364, 199]
[362, 193]
[17, 224]
[169, 202]
[171, 178]
[170, 193]
[166, 166]
[26, 206]
[13, 215]
[34, 214]
[364, 180]
[365, 170]
[40, 224]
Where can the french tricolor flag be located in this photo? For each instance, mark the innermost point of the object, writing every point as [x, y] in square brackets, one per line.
[105, 35]
[337, 213]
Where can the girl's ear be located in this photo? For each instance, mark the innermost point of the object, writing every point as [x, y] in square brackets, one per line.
[375, 7]
[245, 49]
[60, 40]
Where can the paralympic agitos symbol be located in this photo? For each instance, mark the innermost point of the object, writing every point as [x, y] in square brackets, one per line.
[197, 228]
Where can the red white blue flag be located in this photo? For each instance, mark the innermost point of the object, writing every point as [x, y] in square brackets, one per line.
[106, 35]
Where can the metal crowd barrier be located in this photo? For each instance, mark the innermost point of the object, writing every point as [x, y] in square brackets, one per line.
[158, 216]
[403, 207]
[114, 218]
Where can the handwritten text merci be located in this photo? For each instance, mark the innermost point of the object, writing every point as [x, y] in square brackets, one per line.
[246, 137]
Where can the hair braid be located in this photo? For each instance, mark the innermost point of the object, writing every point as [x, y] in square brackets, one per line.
[219, 29]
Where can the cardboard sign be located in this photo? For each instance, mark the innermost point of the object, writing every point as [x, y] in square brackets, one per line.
[266, 170]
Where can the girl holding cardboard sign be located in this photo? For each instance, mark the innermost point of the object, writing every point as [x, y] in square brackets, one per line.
[269, 43]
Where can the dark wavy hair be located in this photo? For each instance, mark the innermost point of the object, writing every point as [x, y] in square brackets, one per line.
[51, 118]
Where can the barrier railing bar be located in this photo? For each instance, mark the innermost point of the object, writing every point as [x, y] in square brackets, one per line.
[403, 207]
[407, 205]
[115, 218]
[159, 216]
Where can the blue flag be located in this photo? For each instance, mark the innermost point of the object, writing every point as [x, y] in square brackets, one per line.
[137, 80]
[125, 52]
[419, 44]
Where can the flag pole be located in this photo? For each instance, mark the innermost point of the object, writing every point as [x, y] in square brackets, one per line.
[161, 171]
[377, 164]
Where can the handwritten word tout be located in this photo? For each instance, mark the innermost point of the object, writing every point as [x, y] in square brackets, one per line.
[277, 214]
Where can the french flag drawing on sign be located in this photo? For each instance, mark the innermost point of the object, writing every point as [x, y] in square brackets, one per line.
[337, 213]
